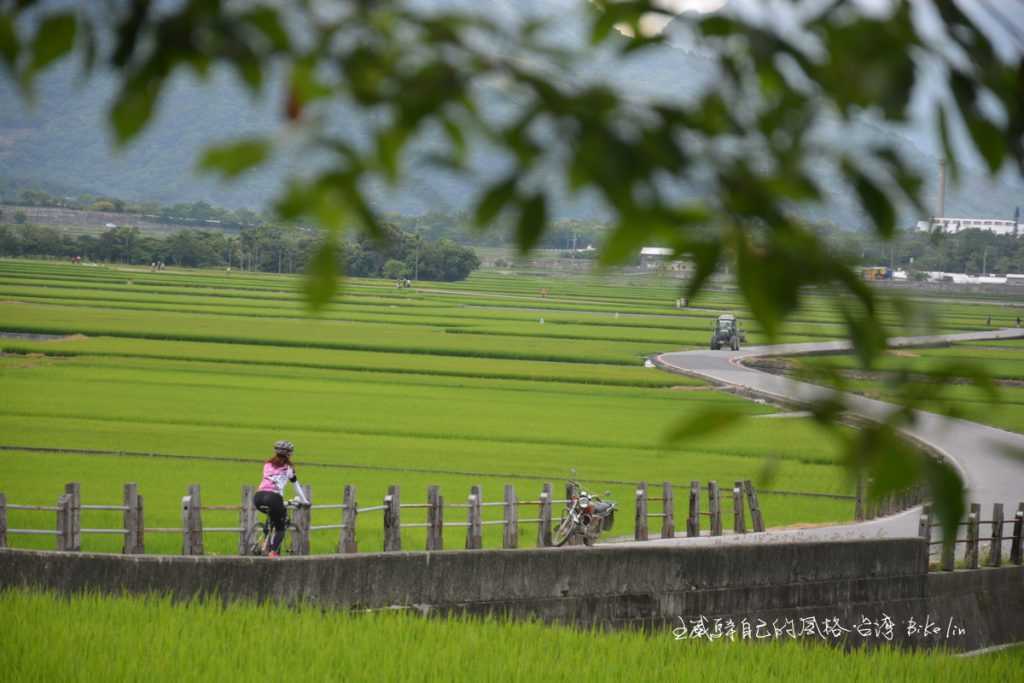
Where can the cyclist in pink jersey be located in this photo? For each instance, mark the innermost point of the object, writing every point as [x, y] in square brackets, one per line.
[269, 498]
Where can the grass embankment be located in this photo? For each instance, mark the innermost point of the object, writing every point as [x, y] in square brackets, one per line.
[48, 638]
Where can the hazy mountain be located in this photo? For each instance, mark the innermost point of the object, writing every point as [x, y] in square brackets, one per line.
[63, 142]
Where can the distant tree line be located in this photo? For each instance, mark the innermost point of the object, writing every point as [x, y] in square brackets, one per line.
[196, 213]
[968, 251]
[564, 233]
[264, 245]
[267, 248]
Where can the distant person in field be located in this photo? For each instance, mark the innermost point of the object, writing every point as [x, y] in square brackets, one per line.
[269, 498]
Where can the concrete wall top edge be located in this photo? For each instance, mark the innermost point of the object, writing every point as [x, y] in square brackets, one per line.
[804, 549]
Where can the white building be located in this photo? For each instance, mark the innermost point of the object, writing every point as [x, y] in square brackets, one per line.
[965, 279]
[654, 257]
[955, 225]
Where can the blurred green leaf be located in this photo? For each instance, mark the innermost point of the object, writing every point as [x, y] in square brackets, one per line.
[895, 464]
[251, 73]
[233, 159]
[706, 259]
[623, 243]
[707, 421]
[947, 491]
[456, 139]
[947, 145]
[390, 141]
[494, 200]
[868, 336]
[9, 44]
[54, 39]
[533, 218]
[988, 140]
[873, 199]
[133, 108]
[321, 281]
[267, 21]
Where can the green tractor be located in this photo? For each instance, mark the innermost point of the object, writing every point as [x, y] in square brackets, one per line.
[727, 332]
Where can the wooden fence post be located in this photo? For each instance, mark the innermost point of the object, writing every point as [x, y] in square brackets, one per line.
[971, 550]
[739, 524]
[924, 524]
[668, 508]
[756, 519]
[197, 519]
[544, 527]
[474, 530]
[511, 536]
[186, 537]
[347, 542]
[3, 520]
[74, 490]
[693, 521]
[192, 522]
[858, 507]
[715, 508]
[301, 520]
[640, 524]
[132, 527]
[995, 554]
[1015, 547]
[393, 519]
[435, 519]
[140, 516]
[63, 523]
[246, 522]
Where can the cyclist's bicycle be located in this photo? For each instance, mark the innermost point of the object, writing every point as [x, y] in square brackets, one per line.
[265, 531]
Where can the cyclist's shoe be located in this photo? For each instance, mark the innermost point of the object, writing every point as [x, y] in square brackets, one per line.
[273, 553]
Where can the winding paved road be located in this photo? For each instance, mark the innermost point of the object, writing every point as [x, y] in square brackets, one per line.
[982, 453]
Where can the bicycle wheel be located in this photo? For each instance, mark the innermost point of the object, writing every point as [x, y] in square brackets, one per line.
[563, 532]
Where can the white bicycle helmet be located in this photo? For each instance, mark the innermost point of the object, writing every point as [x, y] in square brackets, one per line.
[284, 447]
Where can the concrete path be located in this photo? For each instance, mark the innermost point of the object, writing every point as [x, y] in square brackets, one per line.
[981, 453]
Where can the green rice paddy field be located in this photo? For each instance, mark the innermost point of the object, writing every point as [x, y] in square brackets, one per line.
[921, 369]
[49, 638]
[481, 382]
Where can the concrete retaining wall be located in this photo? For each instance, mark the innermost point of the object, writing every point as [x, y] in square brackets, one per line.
[648, 587]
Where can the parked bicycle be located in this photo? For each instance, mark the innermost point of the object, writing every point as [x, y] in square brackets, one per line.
[261, 546]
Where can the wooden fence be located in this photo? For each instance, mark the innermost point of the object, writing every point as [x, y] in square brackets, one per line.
[741, 490]
[68, 512]
[891, 504]
[973, 537]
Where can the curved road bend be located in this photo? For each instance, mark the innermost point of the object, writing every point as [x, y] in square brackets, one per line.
[979, 451]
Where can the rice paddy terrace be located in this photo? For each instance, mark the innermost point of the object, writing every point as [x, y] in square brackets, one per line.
[502, 378]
